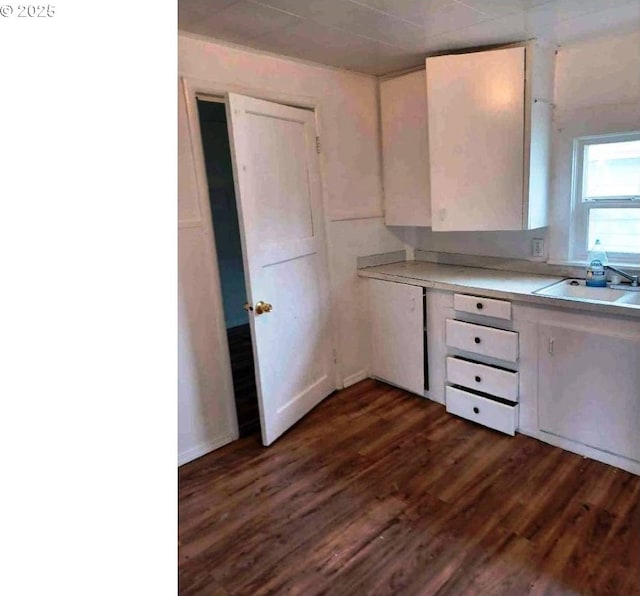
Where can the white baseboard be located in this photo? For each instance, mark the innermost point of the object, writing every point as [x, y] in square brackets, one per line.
[202, 449]
[355, 378]
[424, 394]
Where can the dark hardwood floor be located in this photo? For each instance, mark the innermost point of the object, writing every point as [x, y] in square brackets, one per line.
[379, 492]
[244, 379]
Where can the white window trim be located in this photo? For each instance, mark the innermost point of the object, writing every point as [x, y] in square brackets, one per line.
[580, 210]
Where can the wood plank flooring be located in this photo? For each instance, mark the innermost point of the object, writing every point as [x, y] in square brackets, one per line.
[380, 492]
[244, 379]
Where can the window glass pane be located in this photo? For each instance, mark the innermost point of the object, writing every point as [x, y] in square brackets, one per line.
[617, 229]
[612, 169]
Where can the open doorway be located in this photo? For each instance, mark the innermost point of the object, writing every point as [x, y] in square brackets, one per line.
[224, 213]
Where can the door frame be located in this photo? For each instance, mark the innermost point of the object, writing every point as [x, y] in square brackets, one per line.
[193, 88]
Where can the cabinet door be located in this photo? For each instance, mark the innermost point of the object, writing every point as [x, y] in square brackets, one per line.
[589, 388]
[397, 334]
[405, 155]
[475, 105]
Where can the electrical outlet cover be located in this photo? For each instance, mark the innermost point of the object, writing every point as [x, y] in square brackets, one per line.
[537, 247]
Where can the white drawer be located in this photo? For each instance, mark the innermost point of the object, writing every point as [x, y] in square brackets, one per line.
[500, 309]
[485, 411]
[488, 379]
[480, 339]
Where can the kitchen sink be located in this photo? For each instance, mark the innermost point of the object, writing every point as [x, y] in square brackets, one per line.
[629, 298]
[577, 289]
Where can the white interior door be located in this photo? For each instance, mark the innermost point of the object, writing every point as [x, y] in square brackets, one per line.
[281, 223]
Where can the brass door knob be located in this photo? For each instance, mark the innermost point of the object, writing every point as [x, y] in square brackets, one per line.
[262, 307]
[247, 307]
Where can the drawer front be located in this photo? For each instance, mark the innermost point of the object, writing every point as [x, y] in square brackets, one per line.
[490, 413]
[479, 339]
[488, 379]
[500, 309]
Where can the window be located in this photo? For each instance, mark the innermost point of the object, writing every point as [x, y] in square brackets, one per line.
[606, 196]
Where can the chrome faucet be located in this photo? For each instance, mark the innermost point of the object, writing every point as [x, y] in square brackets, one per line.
[632, 278]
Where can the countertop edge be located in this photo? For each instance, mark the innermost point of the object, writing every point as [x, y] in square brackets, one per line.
[621, 310]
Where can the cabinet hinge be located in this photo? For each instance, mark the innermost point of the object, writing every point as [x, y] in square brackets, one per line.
[335, 357]
[318, 145]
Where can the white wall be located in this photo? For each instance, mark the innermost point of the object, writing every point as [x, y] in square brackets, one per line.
[597, 91]
[348, 124]
[348, 114]
[516, 244]
[206, 418]
[349, 240]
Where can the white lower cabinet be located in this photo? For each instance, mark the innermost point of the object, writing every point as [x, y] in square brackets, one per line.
[397, 334]
[565, 377]
[589, 387]
[477, 387]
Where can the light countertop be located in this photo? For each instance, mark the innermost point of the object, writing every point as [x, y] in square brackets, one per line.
[491, 283]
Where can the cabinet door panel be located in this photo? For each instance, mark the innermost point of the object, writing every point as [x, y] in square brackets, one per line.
[405, 155]
[589, 388]
[397, 350]
[475, 106]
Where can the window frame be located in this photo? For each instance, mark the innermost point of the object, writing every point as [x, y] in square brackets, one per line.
[579, 235]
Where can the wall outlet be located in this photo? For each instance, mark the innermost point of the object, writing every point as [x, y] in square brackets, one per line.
[537, 247]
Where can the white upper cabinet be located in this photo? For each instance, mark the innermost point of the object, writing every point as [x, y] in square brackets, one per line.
[489, 128]
[405, 155]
